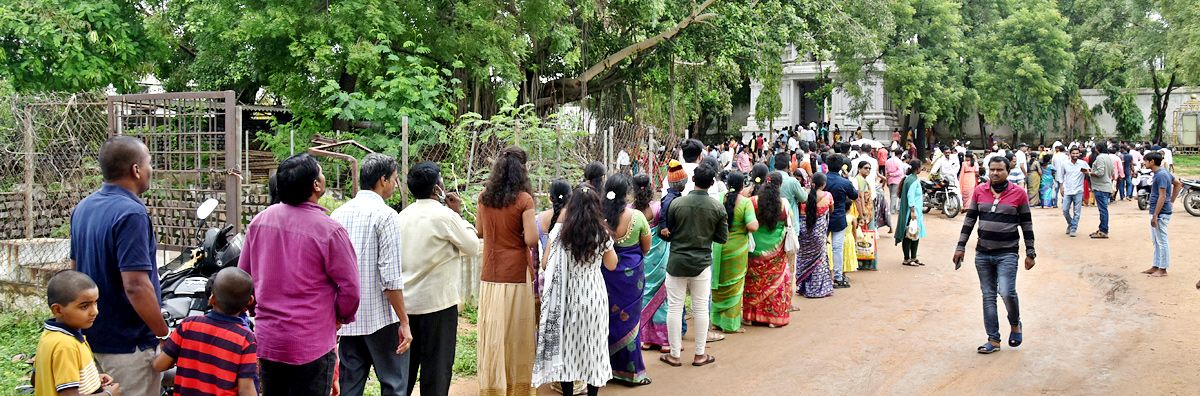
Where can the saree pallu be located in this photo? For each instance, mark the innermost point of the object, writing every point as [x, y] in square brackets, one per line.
[729, 276]
[882, 218]
[767, 296]
[812, 269]
[625, 292]
[1034, 186]
[653, 322]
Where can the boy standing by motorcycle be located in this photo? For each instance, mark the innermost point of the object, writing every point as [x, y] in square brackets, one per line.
[1160, 213]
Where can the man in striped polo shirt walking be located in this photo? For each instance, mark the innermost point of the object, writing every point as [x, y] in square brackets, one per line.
[1001, 210]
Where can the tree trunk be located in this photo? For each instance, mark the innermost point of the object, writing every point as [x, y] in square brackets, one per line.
[983, 136]
[1161, 101]
[922, 145]
[905, 124]
[671, 68]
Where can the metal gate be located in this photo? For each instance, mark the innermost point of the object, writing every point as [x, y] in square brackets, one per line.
[195, 143]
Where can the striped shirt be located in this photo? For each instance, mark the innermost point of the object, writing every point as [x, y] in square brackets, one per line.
[374, 230]
[212, 351]
[999, 218]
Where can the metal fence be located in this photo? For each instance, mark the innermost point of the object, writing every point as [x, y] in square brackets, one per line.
[48, 147]
[195, 141]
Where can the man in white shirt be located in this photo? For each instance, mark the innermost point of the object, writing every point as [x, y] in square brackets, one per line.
[436, 238]
[726, 157]
[1021, 158]
[946, 166]
[793, 143]
[1059, 158]
[622, 161]
[380, 335]
[1074, 173]
[1168, 159]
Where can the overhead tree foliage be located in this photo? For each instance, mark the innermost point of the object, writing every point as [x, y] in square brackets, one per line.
[58, 45]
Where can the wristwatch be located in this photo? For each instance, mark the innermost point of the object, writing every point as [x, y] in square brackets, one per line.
[165, 337]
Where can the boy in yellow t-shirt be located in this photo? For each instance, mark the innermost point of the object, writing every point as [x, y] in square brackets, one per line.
[64, 364]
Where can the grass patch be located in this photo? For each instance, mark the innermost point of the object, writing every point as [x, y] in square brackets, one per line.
[19, 334]
[1187, 165]
[466, 359]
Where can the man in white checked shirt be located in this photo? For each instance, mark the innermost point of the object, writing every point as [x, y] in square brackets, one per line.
[380, 336]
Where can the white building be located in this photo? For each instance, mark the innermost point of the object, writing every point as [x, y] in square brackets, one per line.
[801, 77]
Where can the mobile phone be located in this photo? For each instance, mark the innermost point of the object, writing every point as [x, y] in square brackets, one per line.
[958, 263]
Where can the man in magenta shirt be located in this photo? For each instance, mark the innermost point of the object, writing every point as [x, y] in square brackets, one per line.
[305, 283]
[895, 168]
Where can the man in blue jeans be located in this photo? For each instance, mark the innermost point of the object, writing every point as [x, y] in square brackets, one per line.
[1164, 184]
[1073, 174]
[1101, 176]
[844, 194]
[1002, 211]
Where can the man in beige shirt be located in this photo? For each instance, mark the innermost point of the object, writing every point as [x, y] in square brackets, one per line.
[435, 239]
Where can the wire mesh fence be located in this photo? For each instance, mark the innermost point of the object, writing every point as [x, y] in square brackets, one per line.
[48, 148]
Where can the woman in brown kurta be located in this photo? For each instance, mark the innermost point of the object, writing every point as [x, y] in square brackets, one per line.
[507, 313]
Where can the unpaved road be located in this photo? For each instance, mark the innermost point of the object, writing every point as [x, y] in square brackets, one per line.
[1093, 325]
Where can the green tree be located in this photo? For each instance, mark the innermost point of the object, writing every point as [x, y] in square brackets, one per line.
[1023, 64]
[58, 45]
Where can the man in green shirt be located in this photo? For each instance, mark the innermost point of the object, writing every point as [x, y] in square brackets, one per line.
[791, 189]
[698, 222]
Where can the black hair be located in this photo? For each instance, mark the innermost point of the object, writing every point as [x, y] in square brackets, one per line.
[705, 177]
[118, 154]
[1007, 162]
[836, 162]
[643, 191]
[593, 173]
[735, 180]
[232, 288]
[560, 193]
[711, 163]
[758, 176]
[296, 175]
[782, 161]
[583, 232]
[914, 166]
[65, 286]
[863, 164]
[810, 208]
[273, 189]
[1154, 156]
[618, 186]
[770, 209]
[508, 179]
[375, 167]
[423, 178]
[692, 149]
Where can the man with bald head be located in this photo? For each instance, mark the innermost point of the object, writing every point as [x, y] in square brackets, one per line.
[112, 242]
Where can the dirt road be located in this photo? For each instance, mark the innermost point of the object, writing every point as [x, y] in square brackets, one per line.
[1093, 325]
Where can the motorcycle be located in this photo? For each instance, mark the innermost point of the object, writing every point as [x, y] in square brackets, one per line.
[942, 194]
[1142, 183]
[1190, 196]
[184, 280]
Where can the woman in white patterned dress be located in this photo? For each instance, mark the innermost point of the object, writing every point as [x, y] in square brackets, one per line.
[573, 330]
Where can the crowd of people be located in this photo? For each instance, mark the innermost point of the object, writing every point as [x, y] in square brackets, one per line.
[570, 295]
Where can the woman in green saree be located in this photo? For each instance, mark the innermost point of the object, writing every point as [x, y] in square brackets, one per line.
[729, 259]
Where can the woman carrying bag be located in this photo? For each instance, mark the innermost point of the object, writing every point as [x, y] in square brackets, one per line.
[911, 219]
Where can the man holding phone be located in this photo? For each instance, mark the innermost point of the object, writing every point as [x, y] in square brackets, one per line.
[1002, 211]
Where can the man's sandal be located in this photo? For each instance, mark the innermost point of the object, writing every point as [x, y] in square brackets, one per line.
[988, 348]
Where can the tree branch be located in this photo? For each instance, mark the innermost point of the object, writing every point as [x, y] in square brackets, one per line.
[617, 57]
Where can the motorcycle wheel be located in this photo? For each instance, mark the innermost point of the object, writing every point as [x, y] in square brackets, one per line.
[926, 209]
[1143, 202]
[1191, 202]
[952, 207]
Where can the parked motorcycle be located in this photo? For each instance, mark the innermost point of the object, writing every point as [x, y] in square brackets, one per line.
[184, 280]
[1144, 178]
[1191, 196]
[942, 194]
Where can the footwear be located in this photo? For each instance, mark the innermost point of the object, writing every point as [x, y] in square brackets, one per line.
[912, 263]
[841, 285]
[714, 337]
[1099, 235]
[1072, 233]
[663, 358]
[988, 348]
[1068, 230]
[1014, 339]
[708, 359]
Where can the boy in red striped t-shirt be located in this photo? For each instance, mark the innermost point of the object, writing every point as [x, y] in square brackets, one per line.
[216, 352]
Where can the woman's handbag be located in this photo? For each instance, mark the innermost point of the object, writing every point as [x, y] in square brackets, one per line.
[790, 243]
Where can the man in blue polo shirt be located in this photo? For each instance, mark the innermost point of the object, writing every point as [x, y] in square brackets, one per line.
[113, 243]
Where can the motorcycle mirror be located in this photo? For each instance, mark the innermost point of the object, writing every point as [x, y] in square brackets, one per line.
[206, 208]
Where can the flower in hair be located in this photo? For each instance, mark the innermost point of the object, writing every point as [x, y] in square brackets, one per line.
[560, 196]
[611, 195]
[584, 189]
[758, 180]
